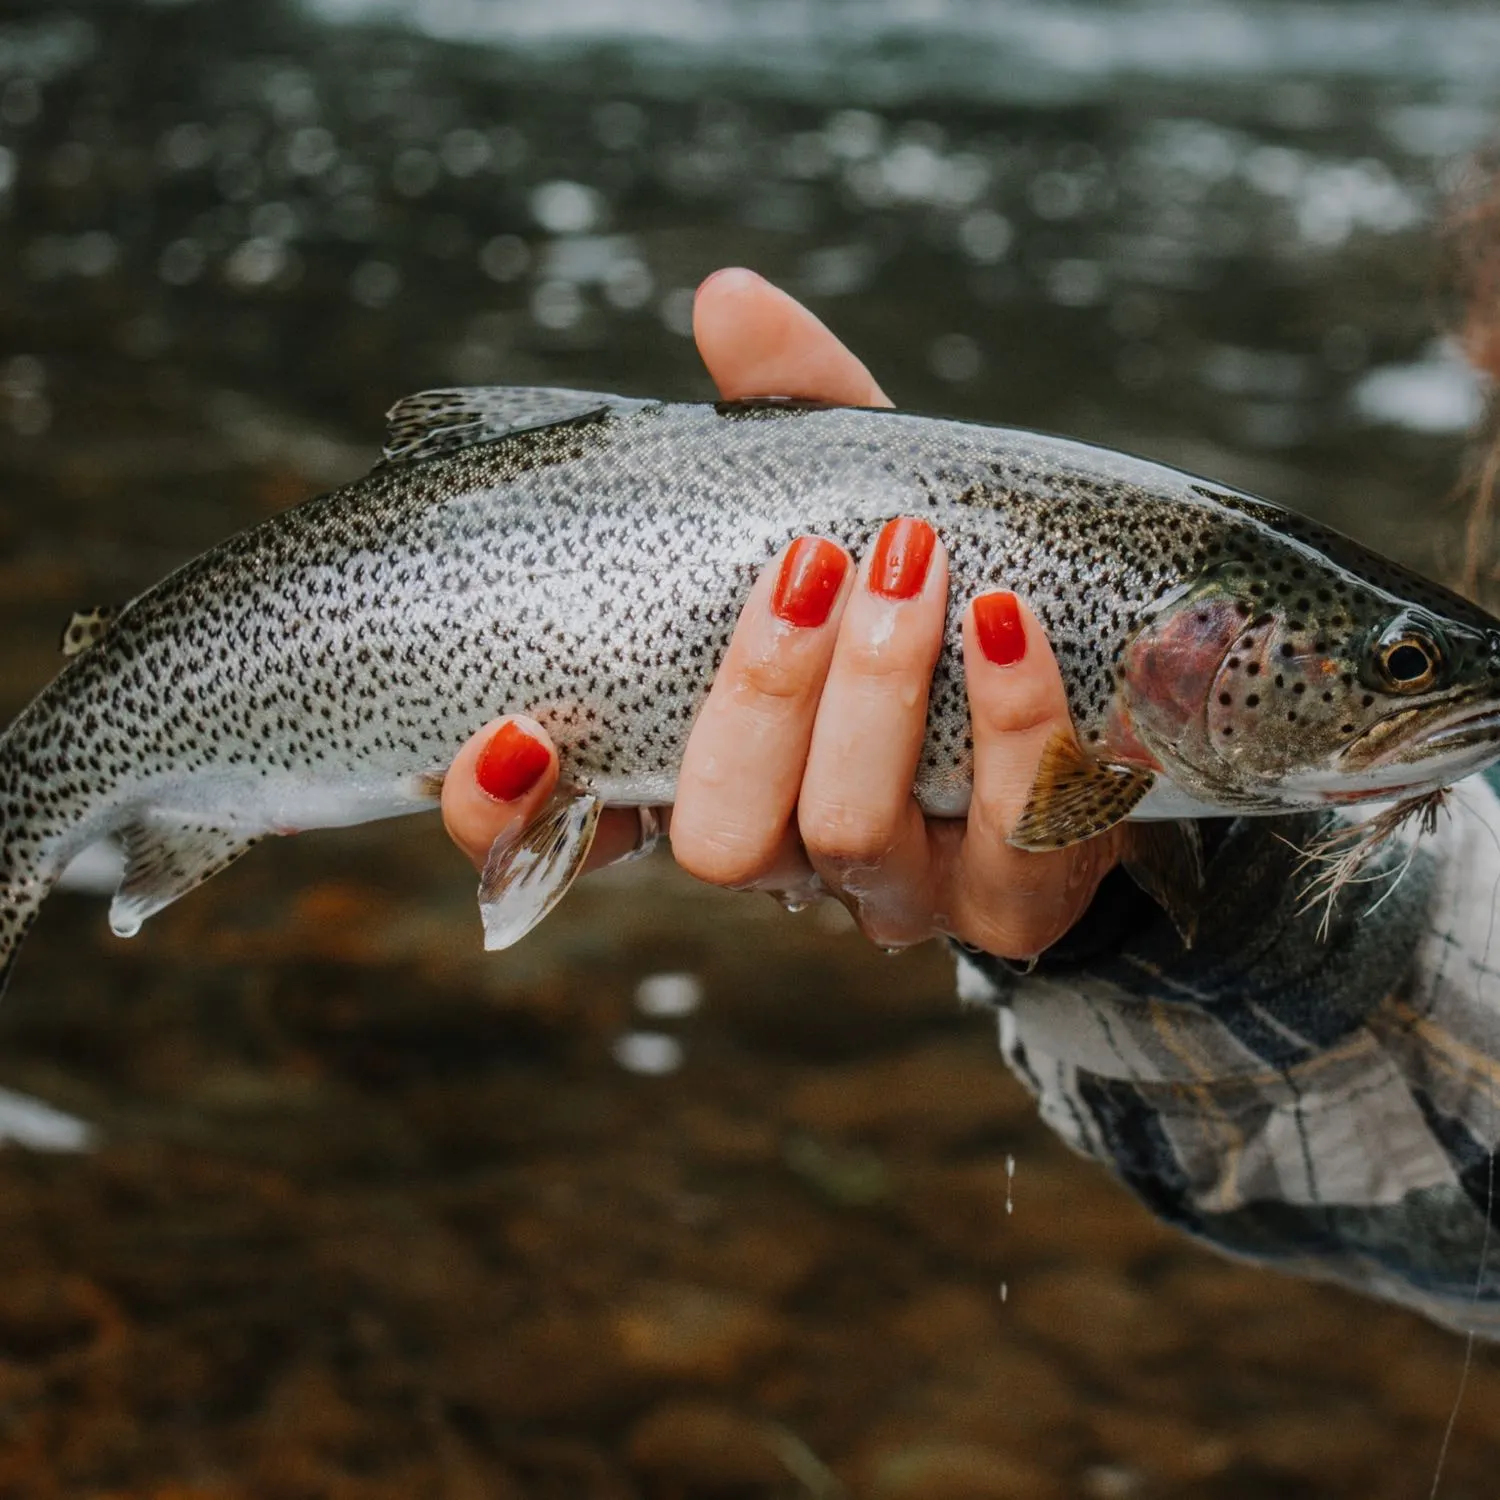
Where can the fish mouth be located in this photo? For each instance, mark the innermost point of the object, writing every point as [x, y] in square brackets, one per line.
[1390, 751]
[1482, 728]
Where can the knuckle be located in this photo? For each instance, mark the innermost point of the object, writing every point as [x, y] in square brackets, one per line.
[1018, 933]
[1023, 711]
[846, 833]
[1041, 897]
[881, 661]
[991, 815]
[724, 854]
[776, 676]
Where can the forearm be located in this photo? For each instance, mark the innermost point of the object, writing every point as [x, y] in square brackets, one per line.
[1324, 1101]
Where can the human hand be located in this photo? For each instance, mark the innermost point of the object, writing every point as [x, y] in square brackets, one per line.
[802, 759]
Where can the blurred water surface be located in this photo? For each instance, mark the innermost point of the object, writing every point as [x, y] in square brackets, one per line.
[684, 1196]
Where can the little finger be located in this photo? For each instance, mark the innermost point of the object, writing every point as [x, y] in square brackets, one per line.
[1002, 899]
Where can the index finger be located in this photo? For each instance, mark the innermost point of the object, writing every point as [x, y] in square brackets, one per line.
[758, 341]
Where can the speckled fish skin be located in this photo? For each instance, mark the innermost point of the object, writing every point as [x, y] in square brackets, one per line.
[323, 668]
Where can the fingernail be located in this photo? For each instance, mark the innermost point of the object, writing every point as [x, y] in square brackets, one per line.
[997, 622]
[511, 764]
[810, 578]
[903, 553]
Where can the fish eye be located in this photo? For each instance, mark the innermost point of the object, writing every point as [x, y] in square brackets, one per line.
[1408, 662]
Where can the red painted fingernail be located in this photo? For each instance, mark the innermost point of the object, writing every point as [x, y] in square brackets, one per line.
[903, 553]
[809, 582]
[997, 622]
[511, 764]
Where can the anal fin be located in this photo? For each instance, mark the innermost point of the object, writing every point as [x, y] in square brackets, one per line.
[1075, 797]
[525, 877]
[166, 856]
[1166, 860]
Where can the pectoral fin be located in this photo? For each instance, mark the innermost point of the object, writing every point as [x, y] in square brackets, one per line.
[1074, 797]
[1166, 860]
[524, 878]
[166, 856]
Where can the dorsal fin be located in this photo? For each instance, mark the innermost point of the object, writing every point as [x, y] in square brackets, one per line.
[86, 627]
[432, 423]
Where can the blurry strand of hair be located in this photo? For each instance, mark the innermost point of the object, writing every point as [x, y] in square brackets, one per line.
[1471, 233]
[1479, 528]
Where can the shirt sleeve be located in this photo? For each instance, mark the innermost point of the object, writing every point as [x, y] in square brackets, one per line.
[1313, 1086]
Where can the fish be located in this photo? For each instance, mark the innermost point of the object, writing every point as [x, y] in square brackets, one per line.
[583, 558]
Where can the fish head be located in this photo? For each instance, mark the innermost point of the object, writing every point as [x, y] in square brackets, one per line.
[1311, 689]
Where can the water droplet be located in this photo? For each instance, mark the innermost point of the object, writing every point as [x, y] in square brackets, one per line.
[1010, 1182]
[1005, 1291]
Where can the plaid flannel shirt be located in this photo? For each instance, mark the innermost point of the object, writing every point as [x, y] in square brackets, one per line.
[1330, 1104]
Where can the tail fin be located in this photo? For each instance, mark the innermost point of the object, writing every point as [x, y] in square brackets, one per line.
[24, 881]
[18, 911]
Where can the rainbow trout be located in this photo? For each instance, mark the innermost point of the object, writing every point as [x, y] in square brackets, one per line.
[583, 558]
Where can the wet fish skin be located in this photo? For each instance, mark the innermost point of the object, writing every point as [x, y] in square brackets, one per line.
[584, 558]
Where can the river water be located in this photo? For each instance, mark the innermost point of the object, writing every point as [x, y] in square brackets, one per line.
[684, 1196]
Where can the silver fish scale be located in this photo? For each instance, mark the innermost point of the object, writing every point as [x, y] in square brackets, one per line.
[313, 670]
